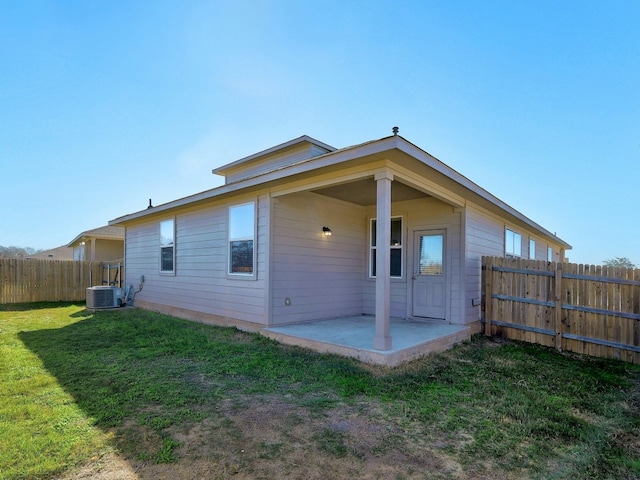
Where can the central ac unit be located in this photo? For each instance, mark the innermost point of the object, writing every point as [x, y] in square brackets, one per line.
[104, 297]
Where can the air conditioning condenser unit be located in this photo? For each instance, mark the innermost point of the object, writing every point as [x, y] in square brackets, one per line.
[104, 297]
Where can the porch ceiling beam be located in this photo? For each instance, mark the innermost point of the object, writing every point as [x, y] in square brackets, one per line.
[427, 186]
[329, 179]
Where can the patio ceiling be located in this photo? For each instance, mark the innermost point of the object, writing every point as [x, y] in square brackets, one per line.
[363, 192]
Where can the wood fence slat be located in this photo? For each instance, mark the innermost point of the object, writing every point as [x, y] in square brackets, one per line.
[636, 309]
[558, 306]
[587, 318]
[488, 289]
[626, 306]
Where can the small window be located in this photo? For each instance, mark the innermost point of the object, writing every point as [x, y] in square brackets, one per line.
[241, 239]
[532, 249]
[167, 246]
[395, 248]
[512, 244]
[549, 254]
[79, 252]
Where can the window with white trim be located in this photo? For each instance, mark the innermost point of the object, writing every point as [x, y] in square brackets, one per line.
[395, 248]
[167, 246]
[549, 254]
[532, 249]
[512, 243]
[242, 231]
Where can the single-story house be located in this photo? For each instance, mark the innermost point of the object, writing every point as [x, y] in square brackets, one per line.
[102, 244]
[304, 237]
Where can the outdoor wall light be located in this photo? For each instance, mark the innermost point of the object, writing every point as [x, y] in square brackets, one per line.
[326, 231]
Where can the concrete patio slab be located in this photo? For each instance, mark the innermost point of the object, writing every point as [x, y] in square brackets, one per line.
[353, 337]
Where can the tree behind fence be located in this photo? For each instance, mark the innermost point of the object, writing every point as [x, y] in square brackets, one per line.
[579, 308]
[24, 280]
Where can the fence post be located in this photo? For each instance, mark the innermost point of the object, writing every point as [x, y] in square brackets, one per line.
[488, 290]
[558, 312]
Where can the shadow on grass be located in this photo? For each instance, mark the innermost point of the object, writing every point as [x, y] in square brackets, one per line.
[25, 307]
[139, 374]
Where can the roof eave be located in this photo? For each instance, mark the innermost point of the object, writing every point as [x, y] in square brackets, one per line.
[343, 155]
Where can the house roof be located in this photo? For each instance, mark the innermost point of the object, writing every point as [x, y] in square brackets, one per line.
[60, 253]
[279, 149]
[108, 232]
[381, 148]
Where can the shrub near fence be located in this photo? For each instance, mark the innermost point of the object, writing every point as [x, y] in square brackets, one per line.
[24, 280]
[579, 308]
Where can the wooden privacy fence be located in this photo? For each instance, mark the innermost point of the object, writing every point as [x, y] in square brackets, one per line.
[24, 280]
[587, 309]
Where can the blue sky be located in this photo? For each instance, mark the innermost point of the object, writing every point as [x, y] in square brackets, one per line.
[105, 104]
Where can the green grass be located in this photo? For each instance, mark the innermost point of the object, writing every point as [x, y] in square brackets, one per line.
[75, 385]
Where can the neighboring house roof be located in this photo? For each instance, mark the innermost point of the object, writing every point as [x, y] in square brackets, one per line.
[108, 232]
[60, 253]
[256, 170]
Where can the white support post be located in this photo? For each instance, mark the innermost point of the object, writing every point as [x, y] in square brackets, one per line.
[382, 339]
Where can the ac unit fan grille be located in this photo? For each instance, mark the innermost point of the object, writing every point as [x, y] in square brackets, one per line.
[102, 297]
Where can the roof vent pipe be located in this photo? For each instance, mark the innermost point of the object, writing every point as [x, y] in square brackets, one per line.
[150, 206]
[395, 131]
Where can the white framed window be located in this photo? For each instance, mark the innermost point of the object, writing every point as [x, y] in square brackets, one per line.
[395, 247]
[512, 243]
[242, 232]
[549, 254]
[532, 249]
[167, 246]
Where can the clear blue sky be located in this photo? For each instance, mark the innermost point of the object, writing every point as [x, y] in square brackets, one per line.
[105, 104]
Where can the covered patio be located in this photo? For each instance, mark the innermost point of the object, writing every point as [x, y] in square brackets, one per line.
[352, 337]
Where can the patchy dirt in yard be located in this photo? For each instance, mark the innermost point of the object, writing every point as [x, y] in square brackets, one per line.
[269, 439]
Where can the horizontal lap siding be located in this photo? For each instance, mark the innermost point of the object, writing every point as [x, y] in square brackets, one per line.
[272, 162]
[108, 250]
[201, 282]
[321, 276]
[485, 236]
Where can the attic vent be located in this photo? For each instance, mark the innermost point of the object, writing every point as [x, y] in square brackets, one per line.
[395, 130]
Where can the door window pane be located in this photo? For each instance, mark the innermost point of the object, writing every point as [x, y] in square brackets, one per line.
[431, 248]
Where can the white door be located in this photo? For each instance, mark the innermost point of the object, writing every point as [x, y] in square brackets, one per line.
[429, 286]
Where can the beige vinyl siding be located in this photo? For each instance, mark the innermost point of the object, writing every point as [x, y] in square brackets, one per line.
[201, 282]
[321, 276]
[485, 236]
[107, 250]
[274, 161]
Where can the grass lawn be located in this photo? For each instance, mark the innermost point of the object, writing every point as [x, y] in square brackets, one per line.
[134, 394]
